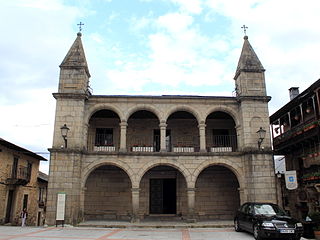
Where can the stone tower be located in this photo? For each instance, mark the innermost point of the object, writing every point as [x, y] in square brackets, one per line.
[253, 100]
[72, 94]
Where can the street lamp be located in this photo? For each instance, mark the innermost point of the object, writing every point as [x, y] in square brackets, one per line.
[261, 133]
[64, 132]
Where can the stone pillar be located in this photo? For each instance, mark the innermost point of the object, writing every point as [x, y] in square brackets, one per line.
[191, 194]
[82, 196]
[163, 130]
[123, 136]
[135, 204]
[202, 134]
[239, 143]
[242, 195]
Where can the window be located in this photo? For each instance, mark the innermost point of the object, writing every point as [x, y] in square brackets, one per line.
[29, 169]
[104, 137]
[25, 201]
[14, 167]
[41, 190]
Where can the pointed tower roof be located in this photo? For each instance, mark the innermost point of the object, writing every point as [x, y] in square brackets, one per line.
[75, 57]
[249, 61]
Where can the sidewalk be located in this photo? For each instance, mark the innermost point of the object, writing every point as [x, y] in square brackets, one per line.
[157, 224]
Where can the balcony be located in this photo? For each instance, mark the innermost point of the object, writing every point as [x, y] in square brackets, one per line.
[19, 176]
[303, 130]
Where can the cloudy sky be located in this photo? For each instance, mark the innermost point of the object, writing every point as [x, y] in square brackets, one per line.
[147, 47]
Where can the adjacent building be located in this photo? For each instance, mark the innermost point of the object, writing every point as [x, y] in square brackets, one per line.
[19, 184]
[296, 135]
[133, 157]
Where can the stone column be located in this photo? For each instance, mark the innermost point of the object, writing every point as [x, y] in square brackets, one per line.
[123, 136]
[135, 204]
[191, 194]
[163, 130]
[202, 134]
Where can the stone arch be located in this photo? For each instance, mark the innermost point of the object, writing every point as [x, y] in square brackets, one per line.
[224, 109]
[217, 188]
[186, 108]
[97, 107]
[225, 163]
[96, 164]
[180, 167]
[137, 108]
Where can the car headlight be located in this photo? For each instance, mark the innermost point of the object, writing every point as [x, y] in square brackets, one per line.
[267, 224]
[299, 224]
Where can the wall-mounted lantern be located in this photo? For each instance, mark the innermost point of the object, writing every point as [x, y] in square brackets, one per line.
[64, 133]
[261, 133]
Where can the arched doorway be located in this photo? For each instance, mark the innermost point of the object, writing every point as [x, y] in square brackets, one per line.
[107, 194]
[217, 194]
[163, 191]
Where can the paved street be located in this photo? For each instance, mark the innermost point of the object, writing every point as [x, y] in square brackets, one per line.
[53, 233]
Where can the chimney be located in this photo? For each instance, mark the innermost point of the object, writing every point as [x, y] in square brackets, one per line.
[293, 92]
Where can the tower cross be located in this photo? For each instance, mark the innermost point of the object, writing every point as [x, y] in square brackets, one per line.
[245, 29]
[80, 26]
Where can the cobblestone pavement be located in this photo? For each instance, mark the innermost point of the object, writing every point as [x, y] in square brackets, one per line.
[67, 233]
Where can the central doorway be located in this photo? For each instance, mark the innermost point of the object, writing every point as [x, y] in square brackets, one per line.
[163, 196]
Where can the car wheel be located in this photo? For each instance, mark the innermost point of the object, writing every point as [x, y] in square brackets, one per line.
[256, 232]
[236, 225]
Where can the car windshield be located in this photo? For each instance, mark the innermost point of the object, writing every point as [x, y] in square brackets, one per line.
[267, 209]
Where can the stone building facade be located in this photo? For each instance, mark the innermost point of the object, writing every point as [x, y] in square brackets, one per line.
[19, 185]
[133, 157]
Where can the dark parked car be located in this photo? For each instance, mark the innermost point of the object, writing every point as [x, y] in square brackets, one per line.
[267, 220]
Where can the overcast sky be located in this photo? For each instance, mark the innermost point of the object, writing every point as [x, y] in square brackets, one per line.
[147, 47]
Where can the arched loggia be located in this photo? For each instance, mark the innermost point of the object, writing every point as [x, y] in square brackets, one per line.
[182, 132]
[104, 131]
[221, 135]
[143, 134]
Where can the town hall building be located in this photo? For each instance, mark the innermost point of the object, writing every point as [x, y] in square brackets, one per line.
[121, 157]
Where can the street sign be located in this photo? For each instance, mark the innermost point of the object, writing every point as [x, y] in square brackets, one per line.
[291, 180]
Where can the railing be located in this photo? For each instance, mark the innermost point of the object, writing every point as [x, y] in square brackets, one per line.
[220, 143]
[296, 130]
[101, 143]
[19, 176]
[224, 143]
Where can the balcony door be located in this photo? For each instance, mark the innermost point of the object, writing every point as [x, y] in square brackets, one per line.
[9, 206]
[157, 140]
[14, 167]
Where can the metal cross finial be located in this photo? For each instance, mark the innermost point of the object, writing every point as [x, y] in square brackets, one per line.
[80, 26]
[245, 29]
